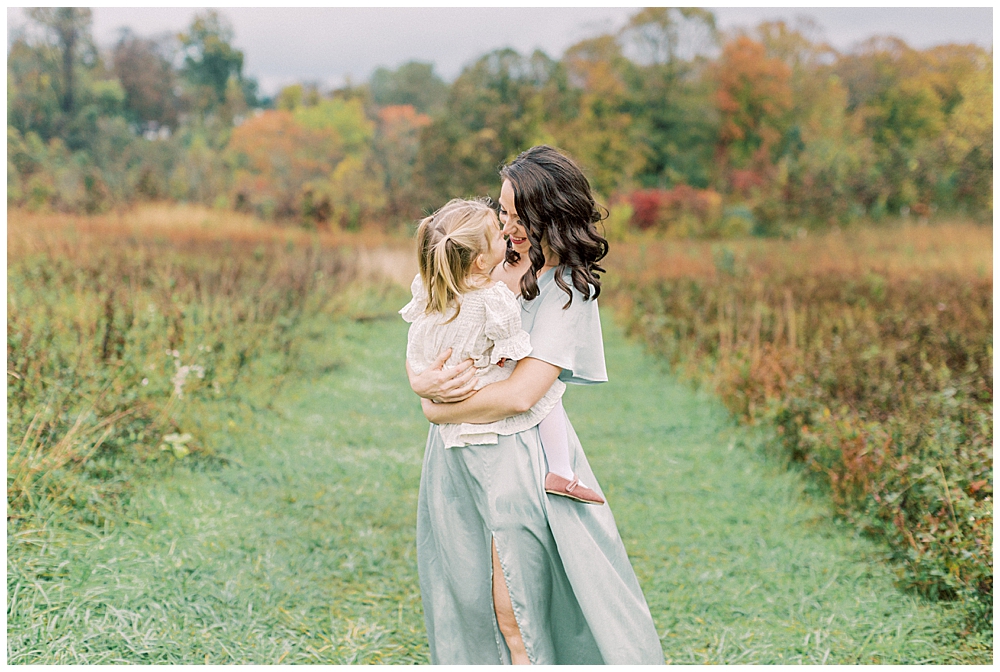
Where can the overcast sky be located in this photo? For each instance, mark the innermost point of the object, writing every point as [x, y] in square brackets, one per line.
[327, 45]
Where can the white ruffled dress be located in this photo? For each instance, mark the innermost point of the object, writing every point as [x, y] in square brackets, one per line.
[487, 329]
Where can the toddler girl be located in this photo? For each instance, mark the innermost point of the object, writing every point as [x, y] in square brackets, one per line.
[456, 305]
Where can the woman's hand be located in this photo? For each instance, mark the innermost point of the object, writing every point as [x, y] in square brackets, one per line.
[430, 410]
[442, 385]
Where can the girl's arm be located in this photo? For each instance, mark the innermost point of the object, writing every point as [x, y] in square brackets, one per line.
[444, 385]
[529, 382]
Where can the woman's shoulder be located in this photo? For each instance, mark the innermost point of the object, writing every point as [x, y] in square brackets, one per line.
[565, 331]
[551, 290]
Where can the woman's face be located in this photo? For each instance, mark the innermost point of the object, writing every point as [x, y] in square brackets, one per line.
[512, 227]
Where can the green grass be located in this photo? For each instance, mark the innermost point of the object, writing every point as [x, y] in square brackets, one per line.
[300, 548]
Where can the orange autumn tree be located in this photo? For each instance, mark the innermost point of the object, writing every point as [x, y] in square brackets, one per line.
[754, 102]
[276, 161]
[313, 163]
[754, 97]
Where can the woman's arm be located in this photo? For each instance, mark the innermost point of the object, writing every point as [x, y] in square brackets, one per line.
[529, 382]
[444, 385]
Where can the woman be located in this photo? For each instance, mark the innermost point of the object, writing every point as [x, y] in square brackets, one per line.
[506, 573]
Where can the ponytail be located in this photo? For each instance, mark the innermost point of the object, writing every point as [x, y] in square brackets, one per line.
[448, 243]
[443, 288]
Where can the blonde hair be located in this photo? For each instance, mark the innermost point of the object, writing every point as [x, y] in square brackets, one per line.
[448, 244]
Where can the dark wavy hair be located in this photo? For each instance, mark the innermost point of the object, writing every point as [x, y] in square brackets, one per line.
[554, 203]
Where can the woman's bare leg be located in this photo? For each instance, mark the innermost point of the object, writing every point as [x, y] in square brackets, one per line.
[505, 614]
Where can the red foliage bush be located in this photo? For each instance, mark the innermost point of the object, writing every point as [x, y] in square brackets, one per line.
[646, 206]
[659, 208]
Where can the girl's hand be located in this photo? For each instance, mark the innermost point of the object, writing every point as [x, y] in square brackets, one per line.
[444, 386]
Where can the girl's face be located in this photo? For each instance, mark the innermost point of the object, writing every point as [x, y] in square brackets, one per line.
[498, 247]
[512, 227]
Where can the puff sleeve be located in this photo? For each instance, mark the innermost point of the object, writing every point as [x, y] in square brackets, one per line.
[418, 304]
[503, 325]
[569, 338]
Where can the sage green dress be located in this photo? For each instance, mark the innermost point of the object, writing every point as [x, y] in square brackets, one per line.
[575, 596]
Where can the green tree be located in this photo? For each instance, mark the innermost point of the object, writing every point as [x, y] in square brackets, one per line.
[33, 89]
[412, 83]
[669, 94]
[825, 165]
[968, 140]
[903, 98]
[210, 60]
[600, 134]
[71, 27]
[57, 85]
[345, 117]
[66, 110]
[294, 96]
[495, 109]
[663, 35]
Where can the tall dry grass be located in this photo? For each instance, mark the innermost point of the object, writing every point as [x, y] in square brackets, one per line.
[123, 327]
[959, 248]
[870, 352]
[186, 225]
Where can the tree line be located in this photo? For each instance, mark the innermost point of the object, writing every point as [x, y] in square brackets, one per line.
[680, 127]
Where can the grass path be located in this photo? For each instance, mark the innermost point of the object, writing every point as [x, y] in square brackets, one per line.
[302, 549]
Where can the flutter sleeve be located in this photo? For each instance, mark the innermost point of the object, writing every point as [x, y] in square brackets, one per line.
[569, 338]
[418, 304]
[503, 325]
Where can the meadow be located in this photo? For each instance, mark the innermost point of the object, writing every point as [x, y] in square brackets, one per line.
[204, 361]
[196, 402]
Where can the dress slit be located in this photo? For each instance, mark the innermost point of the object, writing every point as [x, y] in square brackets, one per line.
[502, 650]
[513, 605]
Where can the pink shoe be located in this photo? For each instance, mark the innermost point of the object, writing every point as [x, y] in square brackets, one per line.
[557, 485]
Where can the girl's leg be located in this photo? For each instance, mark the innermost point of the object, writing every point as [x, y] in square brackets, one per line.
[505, 614]
[561, 480]
[555, 441]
